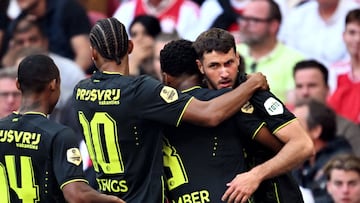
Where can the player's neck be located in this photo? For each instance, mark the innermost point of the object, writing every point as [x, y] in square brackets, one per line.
[186, 82]
[327, 10]
[34, 103]
[122, 68]
[258, 51]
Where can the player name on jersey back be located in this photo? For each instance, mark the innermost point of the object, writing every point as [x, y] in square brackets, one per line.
[103, 97]
[112, 185]
[23, 139]
[201, 196]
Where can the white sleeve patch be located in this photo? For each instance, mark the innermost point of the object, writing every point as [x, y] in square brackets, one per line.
[169, 94]
[73, 156]
[273, 106]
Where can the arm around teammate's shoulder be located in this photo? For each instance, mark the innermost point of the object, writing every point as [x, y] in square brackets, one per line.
[80, 192]
[213, 112]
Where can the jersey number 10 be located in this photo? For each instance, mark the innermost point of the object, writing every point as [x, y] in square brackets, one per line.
[103, 145]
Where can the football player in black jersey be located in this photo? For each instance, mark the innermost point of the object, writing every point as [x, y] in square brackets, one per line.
[121, 115]
[39, 159]
[209, 158]
[218, 61]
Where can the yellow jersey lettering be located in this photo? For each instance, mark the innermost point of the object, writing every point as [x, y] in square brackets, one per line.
[26, 137]
[35, 139]
[104, 97]
[9, 135]
[22, 181]
[109, 185]
[2, 136]
[201, 196]
[100, 94]
[17, 135]
[116, 94]
[22, 139]
[107, 95]
[80, 94]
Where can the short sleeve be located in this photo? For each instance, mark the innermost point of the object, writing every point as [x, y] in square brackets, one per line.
[67, 160]
[271, 110]
[248, 124]
[160, 103]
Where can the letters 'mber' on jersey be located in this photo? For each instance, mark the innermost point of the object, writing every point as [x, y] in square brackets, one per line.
[37, 158]
[119, 115]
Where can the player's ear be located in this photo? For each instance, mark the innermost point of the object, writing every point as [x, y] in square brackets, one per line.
[130, 47]
[52, 84]
[200, 66]
[165, 78]
[316, 131]
[17, 84]
[94, 53]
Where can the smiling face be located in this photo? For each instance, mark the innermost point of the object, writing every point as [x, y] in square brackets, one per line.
[220, 69]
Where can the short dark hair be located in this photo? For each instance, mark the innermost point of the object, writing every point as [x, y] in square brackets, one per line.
[151, 24]
[307, 64]
[274, 11]
[347, 162]
[353, 16]
[320, 114]
[109, 37]
[8, 72]
[167, 37]
[178, 57]
[214, 39]
[35, 72]
[24, 24]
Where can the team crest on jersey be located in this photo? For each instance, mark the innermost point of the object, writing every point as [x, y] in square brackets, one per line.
[73, 156]
[273, 106]
[169, 94]
[247, 108]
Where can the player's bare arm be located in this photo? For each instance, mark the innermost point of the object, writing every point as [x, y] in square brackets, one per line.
[80, 192]
[297, 148]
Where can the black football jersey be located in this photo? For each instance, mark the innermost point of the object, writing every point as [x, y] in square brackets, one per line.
[121, 116]
[262, 108]
[38, 157]
[199, 161]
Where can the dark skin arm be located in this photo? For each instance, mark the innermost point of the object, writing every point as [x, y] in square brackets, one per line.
[80, 192]
[213, 112]
[267, 139]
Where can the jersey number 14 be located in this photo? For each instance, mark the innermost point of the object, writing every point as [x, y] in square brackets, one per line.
[28, 191]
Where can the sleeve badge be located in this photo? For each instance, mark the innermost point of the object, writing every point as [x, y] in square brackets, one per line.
[73, 156]
[169, 94]
[273, 106]
[247, 108]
